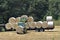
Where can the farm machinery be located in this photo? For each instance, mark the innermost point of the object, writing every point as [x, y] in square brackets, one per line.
[24, 23]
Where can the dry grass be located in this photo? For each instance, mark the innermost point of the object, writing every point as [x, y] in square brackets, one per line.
[32, 35]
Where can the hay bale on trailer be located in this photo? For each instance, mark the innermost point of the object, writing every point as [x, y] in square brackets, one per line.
[18, 19]
[50, 24]
[14, 25]
[38, 24]
[8, 26]
[45, 24]
[30, 19]
[32, 25]
[49, 18]
[12, 20]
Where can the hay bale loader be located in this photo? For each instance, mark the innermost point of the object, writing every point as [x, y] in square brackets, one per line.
[21, 29]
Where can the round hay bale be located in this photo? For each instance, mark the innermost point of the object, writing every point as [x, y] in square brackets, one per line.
[8, 26]
[39, 25]
[18, 19]
[45, 24]
[50, 24]
[12, 20]
[49, 18]
[40, 22]
[24, 16]
[14, 25]
[30, 19]
[32, 24]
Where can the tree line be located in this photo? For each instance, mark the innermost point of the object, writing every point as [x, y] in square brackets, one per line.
[39, 9]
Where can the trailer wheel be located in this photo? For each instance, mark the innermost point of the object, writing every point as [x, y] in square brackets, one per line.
[42, 29]
[37, 29]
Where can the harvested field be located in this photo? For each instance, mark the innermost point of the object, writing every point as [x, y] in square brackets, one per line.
[32, 35]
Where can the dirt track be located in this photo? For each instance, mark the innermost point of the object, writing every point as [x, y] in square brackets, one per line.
[32, 35]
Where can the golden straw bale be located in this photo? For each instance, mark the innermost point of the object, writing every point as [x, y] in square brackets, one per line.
[30, 19]
[18, 19]
[39, 25]
[12, 20]
[45, 24]
[14, 25]
[8, 26]
[24, 16]
[32, 24]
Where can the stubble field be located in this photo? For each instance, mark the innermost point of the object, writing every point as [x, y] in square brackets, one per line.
[32, 35]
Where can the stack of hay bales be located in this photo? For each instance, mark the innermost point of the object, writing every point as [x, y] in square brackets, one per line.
[30, 23]
[50, 22]
[11, 23]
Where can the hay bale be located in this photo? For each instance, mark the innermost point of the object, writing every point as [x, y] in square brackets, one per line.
[32, 24]
[49, 18]
[24, 16]
[50, 24]
[8, 26]
[45, 24]
[14, 25]
[12, 20]
[30, 19]
[39, 25]
[40, 22]
[18, 19]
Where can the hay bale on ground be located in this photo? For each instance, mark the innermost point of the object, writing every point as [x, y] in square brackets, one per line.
[8, 26]
[18, 19]
[30, 19]
[12, 20]
[45, 24]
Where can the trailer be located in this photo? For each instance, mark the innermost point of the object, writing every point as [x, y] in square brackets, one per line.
[25, 23]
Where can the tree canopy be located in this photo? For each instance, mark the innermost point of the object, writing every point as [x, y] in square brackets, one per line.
[39, 9]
